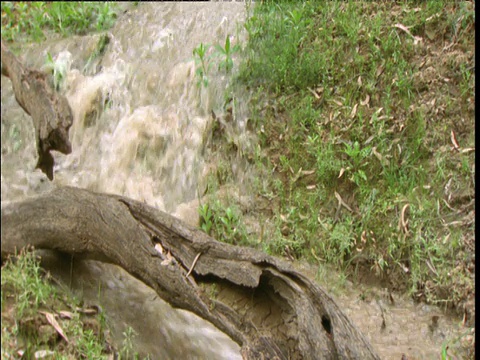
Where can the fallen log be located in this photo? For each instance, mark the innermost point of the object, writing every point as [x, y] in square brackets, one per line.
[50, 111]
[260, 301]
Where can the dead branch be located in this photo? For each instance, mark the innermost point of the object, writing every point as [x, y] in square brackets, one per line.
[260, 301]
[50, 111]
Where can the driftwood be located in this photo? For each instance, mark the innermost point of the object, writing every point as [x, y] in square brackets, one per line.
[260, 301]
[50, 111]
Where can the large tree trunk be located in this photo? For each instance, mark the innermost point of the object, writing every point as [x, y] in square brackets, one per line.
[264, 305]
[50, 111]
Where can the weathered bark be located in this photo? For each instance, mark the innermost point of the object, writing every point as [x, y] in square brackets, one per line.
[50, 111]
[264, 305]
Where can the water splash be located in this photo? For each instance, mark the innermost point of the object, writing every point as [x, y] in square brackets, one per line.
[140, 130]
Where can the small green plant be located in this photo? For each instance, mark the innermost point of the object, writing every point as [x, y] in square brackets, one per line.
[357, 158]
[356, 154]
[295, 17]
[88, 343]
[203, 64]
[203, 59]
[226, 53]
[230, 223]
[222, 222]
[127, 351]
[206, 218]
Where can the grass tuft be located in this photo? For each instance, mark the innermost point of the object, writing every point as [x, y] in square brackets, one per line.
[31, 21]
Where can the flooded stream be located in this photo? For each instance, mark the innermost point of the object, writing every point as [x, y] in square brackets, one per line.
[141, 124]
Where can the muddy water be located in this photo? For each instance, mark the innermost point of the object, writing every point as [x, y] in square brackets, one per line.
[141, 124]
[394, 324]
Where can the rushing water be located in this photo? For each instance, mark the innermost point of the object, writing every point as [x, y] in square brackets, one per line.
[141, 124]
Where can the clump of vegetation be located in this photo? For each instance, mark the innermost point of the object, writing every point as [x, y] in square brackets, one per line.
[204, 59]
[127, 350]
[22, 20]
[365, 113]
[223, 223]
[39, 318]
[226, 52]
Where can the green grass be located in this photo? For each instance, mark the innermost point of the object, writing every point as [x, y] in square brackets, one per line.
[31, 21]
[28, 294]
[223, 222]
[347, 106]
[360, 107]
